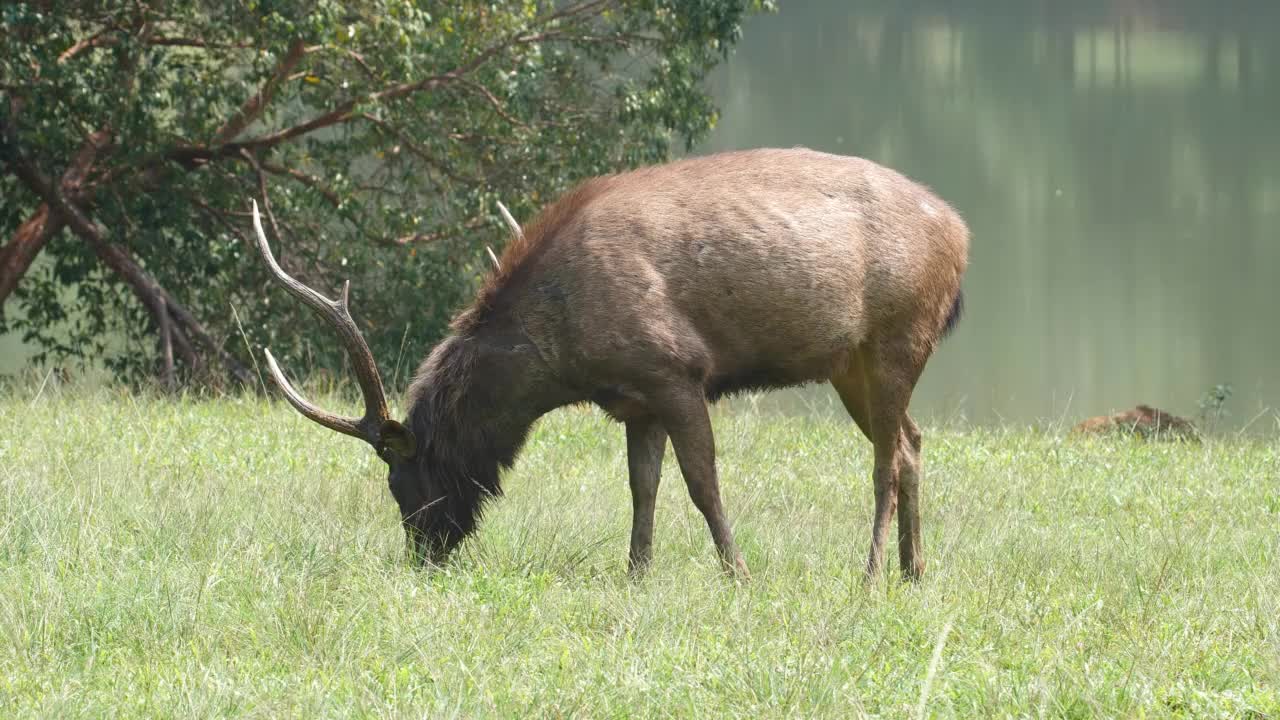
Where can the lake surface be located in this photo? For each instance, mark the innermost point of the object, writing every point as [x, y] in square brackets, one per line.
[1118, 164]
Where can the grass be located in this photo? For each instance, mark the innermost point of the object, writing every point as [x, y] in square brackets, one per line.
[185, 559]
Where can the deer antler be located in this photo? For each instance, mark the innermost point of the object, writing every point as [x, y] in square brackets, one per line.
[512, 225]
[369, 428]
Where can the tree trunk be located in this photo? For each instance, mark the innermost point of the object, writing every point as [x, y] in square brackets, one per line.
[43, 225]
[16, 257]
[167, 376]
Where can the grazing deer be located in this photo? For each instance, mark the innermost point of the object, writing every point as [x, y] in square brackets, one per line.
[652, 292]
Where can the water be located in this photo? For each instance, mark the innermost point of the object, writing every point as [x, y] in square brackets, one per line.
[1118, 164]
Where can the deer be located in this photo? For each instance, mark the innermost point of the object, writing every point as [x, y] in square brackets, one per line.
[653, 293]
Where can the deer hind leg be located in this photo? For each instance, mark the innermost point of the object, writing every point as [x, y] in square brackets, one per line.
[646, 444]
[910, 546]
[890, 373]
[684, 414]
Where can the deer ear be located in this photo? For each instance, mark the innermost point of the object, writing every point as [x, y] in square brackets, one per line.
[397, 439]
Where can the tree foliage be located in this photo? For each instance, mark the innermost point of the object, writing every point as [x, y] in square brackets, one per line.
[380, 132]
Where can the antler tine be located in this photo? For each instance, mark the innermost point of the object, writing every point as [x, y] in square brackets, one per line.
[337, 314]
[343, 425]
[512, 225]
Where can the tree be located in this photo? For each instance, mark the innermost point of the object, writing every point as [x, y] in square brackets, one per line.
[379, 133]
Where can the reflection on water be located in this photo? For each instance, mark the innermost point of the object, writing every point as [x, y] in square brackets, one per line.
[1118, 163]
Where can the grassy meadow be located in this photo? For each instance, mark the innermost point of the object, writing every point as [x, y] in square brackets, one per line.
[183, 558]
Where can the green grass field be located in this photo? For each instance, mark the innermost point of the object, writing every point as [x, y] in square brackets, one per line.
[183, 559]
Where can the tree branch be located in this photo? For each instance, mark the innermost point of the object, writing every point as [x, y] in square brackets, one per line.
[417, 150]
[218, 216]
[310, 181]
[345, 111]
[256, 103]
[262, 192]
[493, 100]
[595, 7]
[266, 200]
[97, 39]
[103, 38]
[438, 235]
[197, 43]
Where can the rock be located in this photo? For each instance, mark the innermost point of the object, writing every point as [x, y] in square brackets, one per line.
[1144, 421]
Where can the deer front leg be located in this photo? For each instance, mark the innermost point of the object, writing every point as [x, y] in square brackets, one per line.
[646, 444]
[687, 421]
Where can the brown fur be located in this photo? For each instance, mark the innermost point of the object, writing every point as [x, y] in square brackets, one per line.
[1143, 421]
[653, 291]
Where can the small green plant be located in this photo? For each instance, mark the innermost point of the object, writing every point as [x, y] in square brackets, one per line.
[1213, 406]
